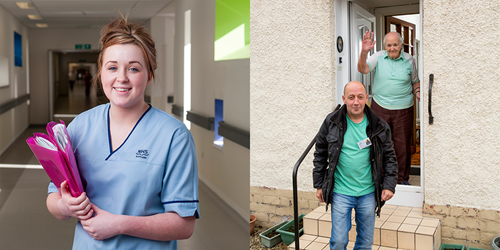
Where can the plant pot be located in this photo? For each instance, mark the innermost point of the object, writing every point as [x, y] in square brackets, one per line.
[452, 246]
[271, 241]
[495, 242]
[286, 236]
[475, 248]
[252, 223]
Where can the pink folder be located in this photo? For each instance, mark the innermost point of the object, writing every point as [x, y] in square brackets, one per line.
[59, 164]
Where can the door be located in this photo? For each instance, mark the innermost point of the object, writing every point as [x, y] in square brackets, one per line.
[361, 21]
[407, 28]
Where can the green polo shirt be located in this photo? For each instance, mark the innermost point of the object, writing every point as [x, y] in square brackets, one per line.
[353, 175]
[392, 84]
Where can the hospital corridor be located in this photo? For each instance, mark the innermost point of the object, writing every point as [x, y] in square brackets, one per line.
[48, 59]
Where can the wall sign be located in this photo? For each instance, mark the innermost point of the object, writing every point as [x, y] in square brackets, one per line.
[83, 46]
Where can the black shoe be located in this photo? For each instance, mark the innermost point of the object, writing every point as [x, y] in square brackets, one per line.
[405, 183]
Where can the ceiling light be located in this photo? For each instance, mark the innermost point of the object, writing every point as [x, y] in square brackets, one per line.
[34, 17]
[42, 25]
[25, 5]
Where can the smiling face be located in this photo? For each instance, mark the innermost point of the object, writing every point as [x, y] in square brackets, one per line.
[124, 75]
[355, 98]
[393, 45]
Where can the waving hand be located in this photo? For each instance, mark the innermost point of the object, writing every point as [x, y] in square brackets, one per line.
[368, 42]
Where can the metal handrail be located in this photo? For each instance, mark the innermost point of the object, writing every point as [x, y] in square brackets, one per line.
[431, 81]
[295, 199]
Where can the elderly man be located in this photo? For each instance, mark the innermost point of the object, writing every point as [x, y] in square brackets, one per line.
[395, 83]
[354, 167]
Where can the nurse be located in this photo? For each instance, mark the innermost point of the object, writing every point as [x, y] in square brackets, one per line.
[137, 163]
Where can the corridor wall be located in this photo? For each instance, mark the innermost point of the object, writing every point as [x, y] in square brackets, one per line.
[14, 120]
[51, 39]
[224, 170]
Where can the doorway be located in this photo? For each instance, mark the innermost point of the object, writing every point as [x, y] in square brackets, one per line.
[379, 17]
[71, 88]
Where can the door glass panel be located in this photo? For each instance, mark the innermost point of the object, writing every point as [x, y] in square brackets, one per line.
[411, 35]
[393, 28]
[364, 78]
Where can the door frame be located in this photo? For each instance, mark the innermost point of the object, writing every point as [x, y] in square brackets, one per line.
[412, 196]
[355, 9]
[52, 76]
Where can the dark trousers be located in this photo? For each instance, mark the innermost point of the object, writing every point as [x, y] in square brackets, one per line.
[401, 123]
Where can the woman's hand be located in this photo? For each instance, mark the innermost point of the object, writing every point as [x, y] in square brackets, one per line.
[103, 225]
[78, 207]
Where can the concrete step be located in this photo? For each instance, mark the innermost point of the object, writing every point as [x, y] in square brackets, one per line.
[398, 227]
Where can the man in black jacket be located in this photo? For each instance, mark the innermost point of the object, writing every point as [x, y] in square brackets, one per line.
[354, 167]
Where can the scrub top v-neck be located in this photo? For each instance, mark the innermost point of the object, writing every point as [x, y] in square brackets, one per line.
[153, 171]
[111, 151]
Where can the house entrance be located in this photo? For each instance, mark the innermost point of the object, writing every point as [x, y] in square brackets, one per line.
[353, 19]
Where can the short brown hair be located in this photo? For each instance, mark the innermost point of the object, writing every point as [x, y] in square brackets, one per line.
[120, 31]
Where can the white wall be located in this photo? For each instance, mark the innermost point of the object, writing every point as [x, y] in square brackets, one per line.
[292, 86]
[14, 121]
[41, 41]
[225, 171]
[163, 32]
[460, 47]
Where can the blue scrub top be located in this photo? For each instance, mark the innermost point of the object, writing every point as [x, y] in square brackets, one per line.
[153, 171]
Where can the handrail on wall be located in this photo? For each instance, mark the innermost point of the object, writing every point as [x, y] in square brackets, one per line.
[13, 103]
[294, 178]
[431, 81]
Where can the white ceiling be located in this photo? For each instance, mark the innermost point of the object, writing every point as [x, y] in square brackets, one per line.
[83, 13]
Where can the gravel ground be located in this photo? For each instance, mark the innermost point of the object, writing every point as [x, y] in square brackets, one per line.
[255, 241]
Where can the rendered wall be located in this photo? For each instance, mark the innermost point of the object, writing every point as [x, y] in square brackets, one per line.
[14, 121]
[460, 41]
[225, 171]
[461, 154]
[292, 74]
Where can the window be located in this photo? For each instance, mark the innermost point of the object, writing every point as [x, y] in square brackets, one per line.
[187, 67]
[232, 30]
[219, 116]
[18, 50]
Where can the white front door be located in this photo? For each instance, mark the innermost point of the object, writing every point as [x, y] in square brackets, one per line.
[361, 21]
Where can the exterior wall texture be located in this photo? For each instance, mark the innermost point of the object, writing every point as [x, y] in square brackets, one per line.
[460, 149]
[272, 206]
[462, 225]
[292, 89]
[460, 40]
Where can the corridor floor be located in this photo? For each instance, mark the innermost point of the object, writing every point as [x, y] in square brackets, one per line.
[26, 224]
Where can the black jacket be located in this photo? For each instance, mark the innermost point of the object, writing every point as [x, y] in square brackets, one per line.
[329, 143]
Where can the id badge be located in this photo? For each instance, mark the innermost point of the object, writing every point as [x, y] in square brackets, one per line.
[364, 143]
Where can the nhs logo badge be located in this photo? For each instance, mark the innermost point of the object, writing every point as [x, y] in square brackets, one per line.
[142, 153]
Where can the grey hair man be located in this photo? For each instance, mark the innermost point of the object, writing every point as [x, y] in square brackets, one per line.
[395, 82]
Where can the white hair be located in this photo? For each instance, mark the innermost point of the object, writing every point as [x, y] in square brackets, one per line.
[399, 36]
